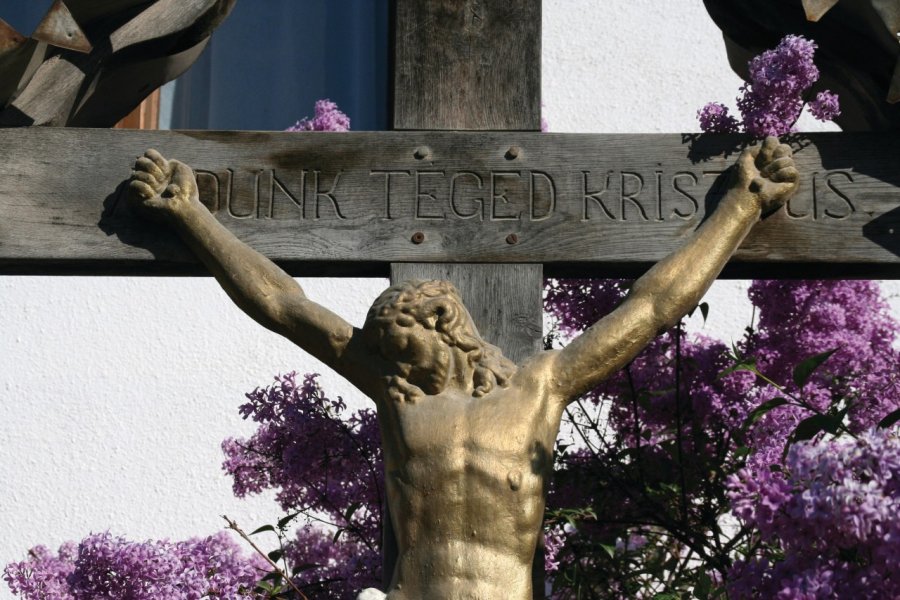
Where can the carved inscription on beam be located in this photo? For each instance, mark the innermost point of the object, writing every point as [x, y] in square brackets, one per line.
[617, 201]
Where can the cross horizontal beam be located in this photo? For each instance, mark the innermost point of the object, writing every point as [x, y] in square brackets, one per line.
[352, 203]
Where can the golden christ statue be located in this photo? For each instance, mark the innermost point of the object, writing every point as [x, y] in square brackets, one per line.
[468, 435]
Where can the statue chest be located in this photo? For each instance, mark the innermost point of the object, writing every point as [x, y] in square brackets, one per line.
[453, 432]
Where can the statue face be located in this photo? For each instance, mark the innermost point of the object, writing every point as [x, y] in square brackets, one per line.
[424, 359]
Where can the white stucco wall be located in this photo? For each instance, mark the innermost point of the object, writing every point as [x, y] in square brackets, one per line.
[116, 392]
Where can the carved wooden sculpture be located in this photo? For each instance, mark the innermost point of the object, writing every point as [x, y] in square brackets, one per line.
[467, 434]
[858, 55]
[90, 62]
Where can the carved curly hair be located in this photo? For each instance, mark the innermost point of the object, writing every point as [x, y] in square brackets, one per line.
[434, 305]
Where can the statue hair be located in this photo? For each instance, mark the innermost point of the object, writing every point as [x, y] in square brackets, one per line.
[434, 305]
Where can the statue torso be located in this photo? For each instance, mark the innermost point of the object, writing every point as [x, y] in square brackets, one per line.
[466, 483]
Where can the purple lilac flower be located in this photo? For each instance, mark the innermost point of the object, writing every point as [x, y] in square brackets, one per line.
[103, 566]
[328, 118]
[798, 319]
[833, 513]
[320, 461]
[714, 118]
[333, 570]
[826, 106]
[774, 96]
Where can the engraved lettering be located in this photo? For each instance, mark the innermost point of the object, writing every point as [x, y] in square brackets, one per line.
[479, 201]
[659, 216]
[829, 181]
[551, 188]
[420, 195]
[595, 196]
[695, 206]
[631, 197]
[320, 193]
[720, 184]
[209, 189]
[789, 207]
[495, 176]
[387, 188]
[279, 185]
[238, 205]
[262, 196]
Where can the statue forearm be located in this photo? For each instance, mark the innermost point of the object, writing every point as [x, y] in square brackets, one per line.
[677, 283]
[764, 178]
[258, 286]
[167, 190]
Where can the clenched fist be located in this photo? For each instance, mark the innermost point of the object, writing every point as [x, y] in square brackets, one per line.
[163, 189]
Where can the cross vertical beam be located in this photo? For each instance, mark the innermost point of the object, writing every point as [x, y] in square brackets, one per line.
[474, 65]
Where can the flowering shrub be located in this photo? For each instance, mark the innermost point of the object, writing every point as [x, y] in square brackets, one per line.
[832, 513]
[645, 492]
[328, 118]
[771, 102]
[324, 465]
[103, 566]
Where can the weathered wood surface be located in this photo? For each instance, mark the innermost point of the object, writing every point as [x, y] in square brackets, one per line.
[90, 63]
[471, 64]
[608, 203]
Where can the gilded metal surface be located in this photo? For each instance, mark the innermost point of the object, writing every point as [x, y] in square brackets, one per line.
[468, 436]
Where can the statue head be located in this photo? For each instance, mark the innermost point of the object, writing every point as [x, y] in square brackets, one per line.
[423, 328]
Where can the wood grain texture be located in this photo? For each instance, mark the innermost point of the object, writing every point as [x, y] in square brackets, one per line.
[472, 64]
[138, 45]
[162, 18]
[594, 204]
[467, 64]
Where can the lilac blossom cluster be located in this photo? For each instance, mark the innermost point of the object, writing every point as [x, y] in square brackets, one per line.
[328, 117]
[796, 319]
[104, 566]
[832, 512]
[652, 424]
[800, 319]
[772, 100]
[324, 464]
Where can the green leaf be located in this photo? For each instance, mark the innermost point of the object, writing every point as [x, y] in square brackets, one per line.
[337, 534]
[703, 587]
[611, 550]
[809, 365]
[889, 420]
[810, 426]
[704, 310]
[760, 411]
[273, 576]
[263, 528]
[283, 521]
[350, 510]
[744, 365]
[275, 555]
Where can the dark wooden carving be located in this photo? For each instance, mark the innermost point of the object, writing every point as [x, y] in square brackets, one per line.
[91, 62]
[858, 55]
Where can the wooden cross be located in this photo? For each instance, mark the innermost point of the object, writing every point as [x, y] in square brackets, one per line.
[465, 189]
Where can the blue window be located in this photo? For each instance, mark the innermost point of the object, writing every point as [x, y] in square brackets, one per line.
[269, 62]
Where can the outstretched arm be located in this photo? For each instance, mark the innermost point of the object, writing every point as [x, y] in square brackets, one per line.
[166, 190]
[765, 178]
